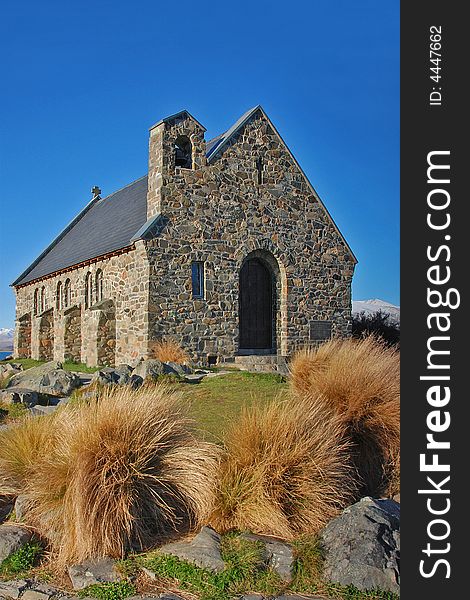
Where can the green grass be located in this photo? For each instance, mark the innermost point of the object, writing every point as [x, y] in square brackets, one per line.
[10, 412]
[21, 561]
[29, 363]
[216, 401]
[245, 573]
[108, 591]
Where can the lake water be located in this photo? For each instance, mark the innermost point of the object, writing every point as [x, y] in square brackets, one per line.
[4, 355]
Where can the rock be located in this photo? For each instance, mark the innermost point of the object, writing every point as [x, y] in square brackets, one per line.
[362, 546]
[9, 369]
[21, 507]
[49, 379]
[135, 381]
[12, 538]
[19, 395]
[277, 554]
[203, 550]
[149, 368]
[193, 378]
[35, 595]
[12, 589]
[91, 572]
[40, 411]
[172, 368]
[109, 375]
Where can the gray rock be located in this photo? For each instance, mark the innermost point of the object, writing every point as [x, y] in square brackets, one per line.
[149, 368]
[119, 375]
[35, 595]
[91, 572]
[40, 411]
[193, 378]
[49, 379]
[135, 381]
[19, 395]
[277, 554]
[12, 537]
[203, 550]
[12, 589]
[362, 546]
[172, 368]
[21, 507]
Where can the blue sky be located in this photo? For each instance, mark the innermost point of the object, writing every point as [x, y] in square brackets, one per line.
[83, 81]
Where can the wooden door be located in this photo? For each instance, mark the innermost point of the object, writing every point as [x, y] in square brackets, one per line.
[256, 306]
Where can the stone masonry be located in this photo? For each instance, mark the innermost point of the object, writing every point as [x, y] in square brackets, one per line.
[245, 200]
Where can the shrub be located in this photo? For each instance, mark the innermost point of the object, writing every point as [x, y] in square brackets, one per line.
[360, 381]
[170, 351]
[284, 470]
[379, 324]
[124, 472]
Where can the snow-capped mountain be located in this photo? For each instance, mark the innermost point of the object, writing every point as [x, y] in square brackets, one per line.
[6, 339]
[370, 307]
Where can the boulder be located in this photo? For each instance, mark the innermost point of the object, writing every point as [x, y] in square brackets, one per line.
[48, 379]
[149, 368]
[22, 505]
[90, 572]
[135, 381]
[6, 506]
[277, 554]
[12, 538]
[172, 368]
[19, 395]
[112, 376]
[10, 369]
[12, 589]
[203, 550]
[362, 546]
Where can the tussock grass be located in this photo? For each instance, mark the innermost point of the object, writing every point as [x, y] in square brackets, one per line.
[121, 472]
[284, 470]
[170, 351]
[360, 381]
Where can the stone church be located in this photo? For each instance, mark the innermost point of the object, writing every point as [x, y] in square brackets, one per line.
[224, 247]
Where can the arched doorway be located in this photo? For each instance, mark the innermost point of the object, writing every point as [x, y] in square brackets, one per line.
[257, 305]
[46, 337]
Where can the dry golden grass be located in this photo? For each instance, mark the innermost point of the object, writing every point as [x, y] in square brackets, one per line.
[124, 474]
[284, 470]
[360, 381]
[170, 351]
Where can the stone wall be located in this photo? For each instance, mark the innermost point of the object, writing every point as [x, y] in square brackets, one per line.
[74, 331]
[220, 212]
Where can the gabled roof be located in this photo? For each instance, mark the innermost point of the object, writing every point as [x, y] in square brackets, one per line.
[103, 226]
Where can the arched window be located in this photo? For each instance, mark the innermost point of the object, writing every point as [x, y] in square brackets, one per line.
[59, 300]
[67, 293]
[88, 290]
[36, 302]
[183, 152]
[99, 285]
[42, 301]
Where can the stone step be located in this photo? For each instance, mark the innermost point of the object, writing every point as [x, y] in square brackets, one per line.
[262, 363]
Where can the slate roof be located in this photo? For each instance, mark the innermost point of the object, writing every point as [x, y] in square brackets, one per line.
[103, 226]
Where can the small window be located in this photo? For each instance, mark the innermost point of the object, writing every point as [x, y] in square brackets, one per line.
[88, 291]
[183, 152]
[59, 297]
[36, 302]
[42, 300]
[99, 285]
[259, 169]
[197, 272]
[67, 293]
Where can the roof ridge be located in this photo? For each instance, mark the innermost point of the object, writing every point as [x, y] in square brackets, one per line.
[124, 187]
